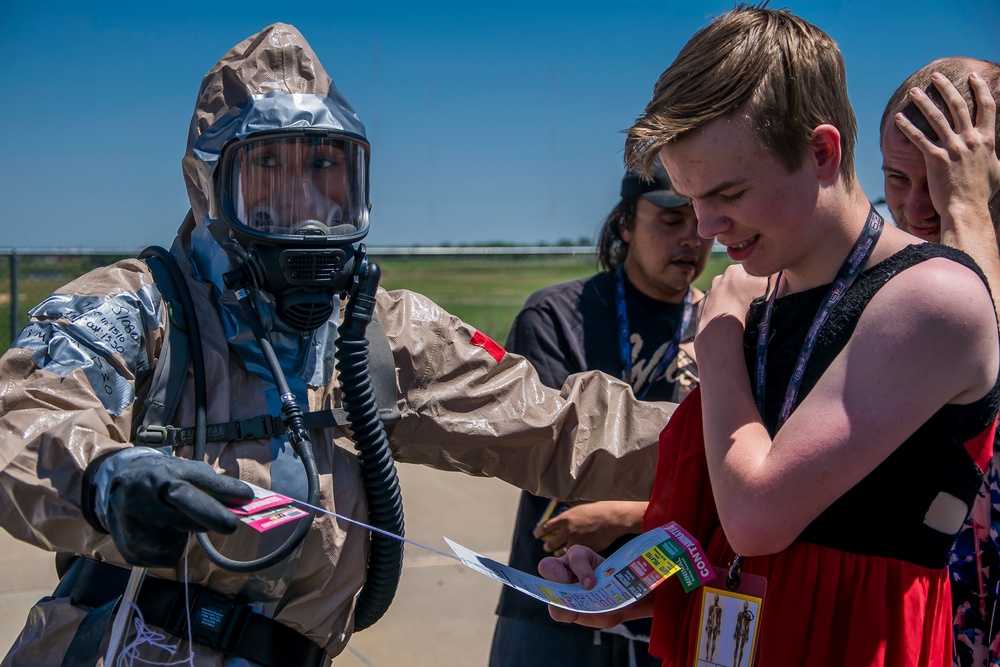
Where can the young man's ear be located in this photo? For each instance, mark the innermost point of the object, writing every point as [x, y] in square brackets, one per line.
[824, 151]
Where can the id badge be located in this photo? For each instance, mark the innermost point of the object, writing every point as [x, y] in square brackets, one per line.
[730, 616]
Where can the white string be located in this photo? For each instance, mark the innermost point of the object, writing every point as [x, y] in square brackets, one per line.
[144, 635]
[187, 611]
[376, 530]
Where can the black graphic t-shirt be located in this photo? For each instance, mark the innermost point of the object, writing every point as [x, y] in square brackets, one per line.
[571, 328]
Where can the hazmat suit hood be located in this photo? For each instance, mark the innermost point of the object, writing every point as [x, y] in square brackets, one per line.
[270, 81]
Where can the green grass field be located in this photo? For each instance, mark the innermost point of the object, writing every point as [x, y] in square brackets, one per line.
[486, 292]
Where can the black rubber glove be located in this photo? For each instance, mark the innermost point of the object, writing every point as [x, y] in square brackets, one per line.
[155, 502]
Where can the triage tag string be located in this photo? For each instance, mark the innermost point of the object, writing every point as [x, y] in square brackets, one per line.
[380, 531]
[627, 575]
[269, 509]
[125, 655]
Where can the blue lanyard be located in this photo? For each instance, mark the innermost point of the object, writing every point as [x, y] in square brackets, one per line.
[849, 270]
[625, 334]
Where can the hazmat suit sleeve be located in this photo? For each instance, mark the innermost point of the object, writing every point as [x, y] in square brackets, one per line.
[469, 406]
[68, 390]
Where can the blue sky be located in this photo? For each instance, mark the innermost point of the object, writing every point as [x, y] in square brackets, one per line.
[488, 121]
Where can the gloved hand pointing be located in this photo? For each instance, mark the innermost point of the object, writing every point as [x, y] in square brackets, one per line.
[150, 503]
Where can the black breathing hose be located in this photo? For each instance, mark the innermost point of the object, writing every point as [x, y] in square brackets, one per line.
[385, 504]
[298, 437]
[290, 412]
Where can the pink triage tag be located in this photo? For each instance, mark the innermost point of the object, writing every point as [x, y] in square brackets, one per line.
[267, 510]
[273, 518]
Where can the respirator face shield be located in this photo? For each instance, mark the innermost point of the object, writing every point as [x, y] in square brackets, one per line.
[292, 188]
[297, 202]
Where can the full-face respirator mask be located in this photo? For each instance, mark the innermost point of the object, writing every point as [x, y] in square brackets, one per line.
[296, 202]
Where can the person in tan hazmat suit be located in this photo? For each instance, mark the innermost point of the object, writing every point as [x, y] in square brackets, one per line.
[276, 168]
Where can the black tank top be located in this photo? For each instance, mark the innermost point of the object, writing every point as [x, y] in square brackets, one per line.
[883, 515]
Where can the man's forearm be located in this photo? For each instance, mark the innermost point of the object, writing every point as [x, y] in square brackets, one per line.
[977, 238]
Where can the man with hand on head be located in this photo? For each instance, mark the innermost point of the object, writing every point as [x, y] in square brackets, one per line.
[940, 139]
[940, 148]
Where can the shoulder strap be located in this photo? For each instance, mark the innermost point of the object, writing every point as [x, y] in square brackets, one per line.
[837, 331]
[150, 424]
[852, 304]
[170, 372]
[382, 368]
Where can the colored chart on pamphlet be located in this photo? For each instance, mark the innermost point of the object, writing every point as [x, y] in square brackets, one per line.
[629, 574]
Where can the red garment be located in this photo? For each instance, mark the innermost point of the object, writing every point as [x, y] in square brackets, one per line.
[823, 606]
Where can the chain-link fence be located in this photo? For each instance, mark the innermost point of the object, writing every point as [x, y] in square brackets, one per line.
[483, 285]
[27, 277]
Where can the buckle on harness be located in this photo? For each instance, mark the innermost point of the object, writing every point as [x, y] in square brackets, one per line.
[158, 435]
[261, 426]
[216, 621]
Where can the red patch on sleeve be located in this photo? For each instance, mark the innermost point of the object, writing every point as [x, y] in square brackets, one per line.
[980, 448]
[482, 340]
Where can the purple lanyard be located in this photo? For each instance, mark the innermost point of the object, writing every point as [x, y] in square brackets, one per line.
[625, 334]
[845, 278]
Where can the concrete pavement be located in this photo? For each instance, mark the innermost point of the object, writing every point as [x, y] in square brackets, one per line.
[443, 613]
